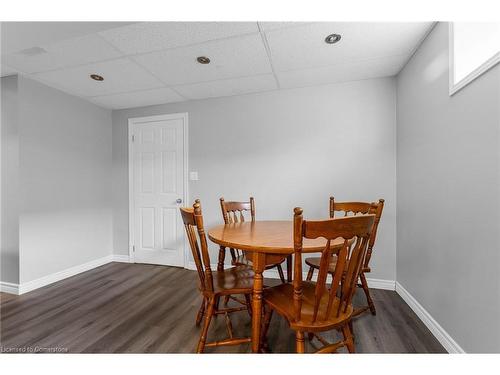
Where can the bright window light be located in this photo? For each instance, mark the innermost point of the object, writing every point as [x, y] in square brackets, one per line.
[474, 48]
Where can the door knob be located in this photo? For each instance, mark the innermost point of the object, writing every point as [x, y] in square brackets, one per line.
[178, 200]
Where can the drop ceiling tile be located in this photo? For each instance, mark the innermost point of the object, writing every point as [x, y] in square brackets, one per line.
[137, 98]
[17, 36]
[267, 26]
[120, 75]
[228, 87]
[153, 36]
[304, 47]
[373, 68]
[234, 57]
[76, 51]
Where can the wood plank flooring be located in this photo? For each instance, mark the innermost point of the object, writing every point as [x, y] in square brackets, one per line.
[139, 308]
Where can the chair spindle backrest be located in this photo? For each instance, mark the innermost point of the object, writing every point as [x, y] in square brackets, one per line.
[193, 222]
[355, 232]
[363, 208]
[232, 212]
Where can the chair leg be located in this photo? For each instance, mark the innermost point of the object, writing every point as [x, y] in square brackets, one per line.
[199, 317]
[346, 331]
[222, 256]
[265, 327]
[229, 326]
[289, 268]
[282, 275]
[204, 331]
[233, 256]
[216, 304]
[364, 285]
[310, 274]
[299, 340]
[249, 304]
[226, 300]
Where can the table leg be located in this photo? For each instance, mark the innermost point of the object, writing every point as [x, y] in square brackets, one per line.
[289, 268]
[259, 263]
[222, 256]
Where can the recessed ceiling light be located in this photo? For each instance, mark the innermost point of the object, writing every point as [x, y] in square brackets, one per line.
[332, 38]
[96, 77]
[203, 60]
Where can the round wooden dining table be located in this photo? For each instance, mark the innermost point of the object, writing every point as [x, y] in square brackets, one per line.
[264, 242]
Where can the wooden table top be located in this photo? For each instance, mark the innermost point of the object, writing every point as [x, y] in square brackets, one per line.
[274, 237]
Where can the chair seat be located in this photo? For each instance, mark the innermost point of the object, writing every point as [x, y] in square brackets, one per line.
[234, 280]
[243, 260]
[280, 298]
[315, 262]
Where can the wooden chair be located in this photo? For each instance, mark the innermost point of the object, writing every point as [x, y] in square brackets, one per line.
[354, 208]
[313, 307]
[232, 212]
[213, 286]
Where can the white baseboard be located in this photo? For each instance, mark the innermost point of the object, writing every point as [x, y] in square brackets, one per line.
[273, 274]
[192, 266]
[61, 275]
[10, 288]
[120, 258]
[72, 271]
[441, 335]
[381, 284]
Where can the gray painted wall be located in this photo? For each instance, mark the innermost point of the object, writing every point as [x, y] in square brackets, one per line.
[448, 226]
[9, 259]
[65, 181]
[288, 148]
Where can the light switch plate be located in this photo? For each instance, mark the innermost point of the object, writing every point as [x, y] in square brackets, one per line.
[193, 176]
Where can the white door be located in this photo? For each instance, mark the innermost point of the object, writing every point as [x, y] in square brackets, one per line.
[158, 188]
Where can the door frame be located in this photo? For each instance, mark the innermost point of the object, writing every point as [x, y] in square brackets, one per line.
[131, 202]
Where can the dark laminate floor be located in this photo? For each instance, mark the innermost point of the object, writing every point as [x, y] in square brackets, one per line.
[139, 308]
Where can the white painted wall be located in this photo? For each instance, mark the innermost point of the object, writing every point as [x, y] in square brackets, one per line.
[64, 181]
[9, 259]
[448, 179]
[286, 148]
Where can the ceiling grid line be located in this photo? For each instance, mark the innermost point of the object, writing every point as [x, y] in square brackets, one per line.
[268, 51]
[158, 78]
